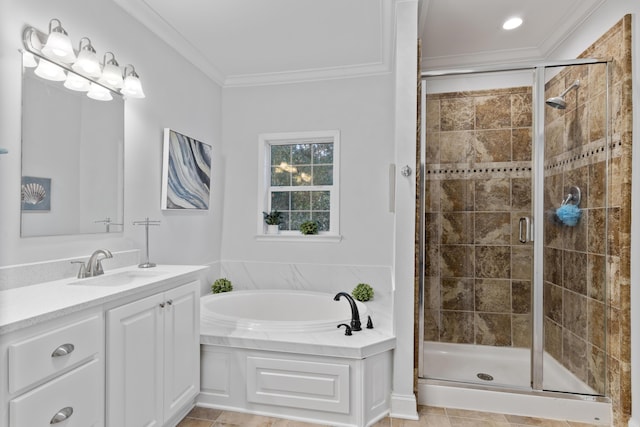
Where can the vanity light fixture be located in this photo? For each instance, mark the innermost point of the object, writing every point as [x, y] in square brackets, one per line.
[87, 62]
[58, 44]
[131, 86]
[81, 70]
[512, 23]
[111, 73]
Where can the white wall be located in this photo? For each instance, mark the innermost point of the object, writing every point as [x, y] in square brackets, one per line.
[178, 96]
[362, 109]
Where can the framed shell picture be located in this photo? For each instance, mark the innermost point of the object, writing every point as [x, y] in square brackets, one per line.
[35, 194]
[186, 172]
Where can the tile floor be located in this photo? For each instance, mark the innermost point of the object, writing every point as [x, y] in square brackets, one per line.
[429, 417]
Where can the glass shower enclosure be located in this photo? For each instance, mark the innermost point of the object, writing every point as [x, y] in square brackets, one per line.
[514, 204]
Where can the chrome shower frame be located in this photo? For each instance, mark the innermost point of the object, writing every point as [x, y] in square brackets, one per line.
[538, 102]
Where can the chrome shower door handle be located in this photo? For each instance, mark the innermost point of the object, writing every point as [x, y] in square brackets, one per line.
[524, 229]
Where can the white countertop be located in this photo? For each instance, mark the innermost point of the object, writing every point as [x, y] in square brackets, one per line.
[29, 305]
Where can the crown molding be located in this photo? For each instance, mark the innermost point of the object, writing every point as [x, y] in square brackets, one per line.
[332, 73]
[141, 11]
[583, 10]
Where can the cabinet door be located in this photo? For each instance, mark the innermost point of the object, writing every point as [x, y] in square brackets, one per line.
[135, 363]
[181, 347]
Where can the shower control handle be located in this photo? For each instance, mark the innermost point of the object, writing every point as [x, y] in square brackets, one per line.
[524, 229]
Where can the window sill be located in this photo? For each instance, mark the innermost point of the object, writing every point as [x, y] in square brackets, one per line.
[317, 238]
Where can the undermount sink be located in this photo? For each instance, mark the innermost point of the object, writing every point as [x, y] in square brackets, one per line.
[117, 279]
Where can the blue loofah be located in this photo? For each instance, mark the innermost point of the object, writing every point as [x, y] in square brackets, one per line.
[569, 214]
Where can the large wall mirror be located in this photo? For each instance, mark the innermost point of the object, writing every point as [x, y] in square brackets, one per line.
[72, 160]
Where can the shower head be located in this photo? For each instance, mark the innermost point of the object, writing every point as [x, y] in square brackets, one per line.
[558, 101]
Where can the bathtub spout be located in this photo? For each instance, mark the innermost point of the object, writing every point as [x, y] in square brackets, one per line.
[355, 315]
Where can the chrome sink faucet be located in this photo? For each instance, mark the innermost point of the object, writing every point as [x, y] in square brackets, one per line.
[94, 265]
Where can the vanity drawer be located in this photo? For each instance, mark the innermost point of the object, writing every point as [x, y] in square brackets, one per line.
[46, 354]
[74, 395]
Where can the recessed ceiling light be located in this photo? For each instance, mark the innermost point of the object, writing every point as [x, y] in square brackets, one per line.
[512, 23]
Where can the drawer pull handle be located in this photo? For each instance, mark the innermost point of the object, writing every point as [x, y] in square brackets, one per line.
[62, 415]
[63, 350]
[169, 302]
[161, 305]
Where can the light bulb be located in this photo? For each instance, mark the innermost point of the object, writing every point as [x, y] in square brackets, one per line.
[58, 45]
[87, 62]
[512, 23]
[50, 71]
[111, 73]
[132, 86]
[99, 93]
[76, 82]
[28, 60]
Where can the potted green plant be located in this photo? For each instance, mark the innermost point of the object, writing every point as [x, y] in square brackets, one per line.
[309, 227]
[362, 292]
[221, 285]
[273, 220]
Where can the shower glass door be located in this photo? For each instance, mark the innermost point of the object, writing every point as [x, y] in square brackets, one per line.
[515, 227]
[477, 139]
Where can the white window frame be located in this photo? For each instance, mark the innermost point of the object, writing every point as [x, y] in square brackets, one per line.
[265, 141]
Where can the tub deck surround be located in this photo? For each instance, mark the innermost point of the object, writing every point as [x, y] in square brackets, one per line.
[334, 343]
[30, 305]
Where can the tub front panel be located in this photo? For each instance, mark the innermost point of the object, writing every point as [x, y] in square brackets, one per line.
[298, 384]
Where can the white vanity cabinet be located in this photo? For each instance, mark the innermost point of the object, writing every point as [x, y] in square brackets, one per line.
[153, 365]
[55, 373]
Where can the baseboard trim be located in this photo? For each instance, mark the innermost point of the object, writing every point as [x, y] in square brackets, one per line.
[404, 406]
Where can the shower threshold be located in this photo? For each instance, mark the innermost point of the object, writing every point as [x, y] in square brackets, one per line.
[453, 381]
[496, 366]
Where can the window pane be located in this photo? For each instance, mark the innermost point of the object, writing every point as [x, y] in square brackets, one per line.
[298, 218]
[280, 154]
[322, 218]
[280, 176]
[280, 200]
[320, 200]
[302, 176]
[286, 221]
[323, 175]
[300, 201]
[301, 154]
[322, 153]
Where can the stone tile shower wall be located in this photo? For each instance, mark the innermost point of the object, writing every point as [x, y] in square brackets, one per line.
[616, 45]
[575, 257]
[478, 184]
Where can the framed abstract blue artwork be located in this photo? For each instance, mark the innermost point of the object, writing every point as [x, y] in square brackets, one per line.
[186, 172]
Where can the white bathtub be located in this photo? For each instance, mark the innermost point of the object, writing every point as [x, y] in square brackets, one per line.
[279, 353]
[278, 310]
